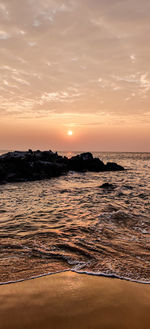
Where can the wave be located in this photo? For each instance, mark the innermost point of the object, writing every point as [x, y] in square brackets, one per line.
[69, 224]
[98, 274]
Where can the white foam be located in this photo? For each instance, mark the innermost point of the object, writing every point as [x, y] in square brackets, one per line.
[113, 276]
[106, 275]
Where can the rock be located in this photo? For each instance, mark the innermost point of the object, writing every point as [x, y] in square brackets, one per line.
[21, 166]
[112, 166]
[27, 166]
[84, 162]
[108, 186]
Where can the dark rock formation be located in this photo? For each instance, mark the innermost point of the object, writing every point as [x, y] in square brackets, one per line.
[108, 186]
[34, 165]
[84, 162]
[112, 166]
[28, 166]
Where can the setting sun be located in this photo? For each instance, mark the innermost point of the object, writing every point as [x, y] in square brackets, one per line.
[70, 132]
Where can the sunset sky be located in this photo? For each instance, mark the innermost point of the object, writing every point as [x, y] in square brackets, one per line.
[80, 66]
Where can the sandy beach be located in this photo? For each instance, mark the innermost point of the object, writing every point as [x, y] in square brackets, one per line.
[74, 301]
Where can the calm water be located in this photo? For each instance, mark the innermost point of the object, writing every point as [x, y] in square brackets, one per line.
[70, 223]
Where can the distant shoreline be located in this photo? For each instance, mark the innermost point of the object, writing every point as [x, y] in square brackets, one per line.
[78, 151]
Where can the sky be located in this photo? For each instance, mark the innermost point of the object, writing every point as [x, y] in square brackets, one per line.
[73, 65]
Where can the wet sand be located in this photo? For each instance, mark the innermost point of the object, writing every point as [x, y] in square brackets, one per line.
[75, 301]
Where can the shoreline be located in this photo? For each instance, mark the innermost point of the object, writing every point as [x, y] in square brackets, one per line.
[73, 301]
[95, 274]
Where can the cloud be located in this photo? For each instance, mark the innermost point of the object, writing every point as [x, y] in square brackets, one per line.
[47, 11]
[80, 56]
[68, 96]
[32, 43]
[4, 35]
[21, 81]
[133, 58]
[140, 80]
[3, 11]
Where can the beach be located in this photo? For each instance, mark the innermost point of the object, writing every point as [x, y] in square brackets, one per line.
[75, 164]
[74, 301]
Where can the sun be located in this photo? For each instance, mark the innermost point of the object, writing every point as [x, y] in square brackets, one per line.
[70, 133]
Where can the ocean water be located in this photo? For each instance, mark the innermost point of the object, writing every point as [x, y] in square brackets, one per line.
[69, 222]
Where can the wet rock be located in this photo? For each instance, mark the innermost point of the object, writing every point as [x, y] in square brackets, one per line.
[112, 166]
[86, 162]
[21, 166]
[27, 166]
[108, 186]
[128, 187]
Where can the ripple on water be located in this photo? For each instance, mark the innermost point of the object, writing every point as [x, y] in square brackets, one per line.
[70, 223]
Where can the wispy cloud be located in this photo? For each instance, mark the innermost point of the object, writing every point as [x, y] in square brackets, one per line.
[4, 35]
[74, 56]
[133, 58]
[3, 11]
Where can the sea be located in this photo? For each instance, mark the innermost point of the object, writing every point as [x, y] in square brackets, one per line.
[71, 223]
